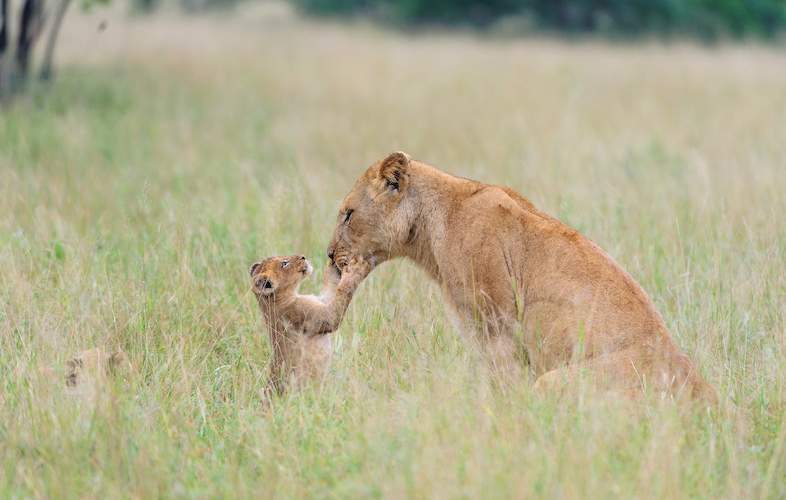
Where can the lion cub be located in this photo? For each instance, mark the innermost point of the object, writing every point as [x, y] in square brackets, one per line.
[95, 365]
[299, 324]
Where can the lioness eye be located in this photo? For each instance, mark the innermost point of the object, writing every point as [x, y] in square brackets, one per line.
[348, 215]
[284, 264]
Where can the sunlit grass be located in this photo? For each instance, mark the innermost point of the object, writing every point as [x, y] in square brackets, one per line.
[135, 192]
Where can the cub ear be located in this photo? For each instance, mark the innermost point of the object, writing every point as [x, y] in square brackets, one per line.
[254, 267]
[394, 171]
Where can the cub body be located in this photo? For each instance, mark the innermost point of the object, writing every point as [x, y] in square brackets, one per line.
[300, 325]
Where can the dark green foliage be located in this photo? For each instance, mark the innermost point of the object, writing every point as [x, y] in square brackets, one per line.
[704, 18]
[192, 6]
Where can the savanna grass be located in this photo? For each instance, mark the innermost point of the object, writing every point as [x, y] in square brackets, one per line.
[136, 190]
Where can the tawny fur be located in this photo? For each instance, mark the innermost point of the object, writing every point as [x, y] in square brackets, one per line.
[515, 279]
[299, 325]
[95, 365]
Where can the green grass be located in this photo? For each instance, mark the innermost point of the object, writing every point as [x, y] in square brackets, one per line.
[136, 190]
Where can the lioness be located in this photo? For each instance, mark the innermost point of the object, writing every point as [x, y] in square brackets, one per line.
[299, 324]
[509, 271]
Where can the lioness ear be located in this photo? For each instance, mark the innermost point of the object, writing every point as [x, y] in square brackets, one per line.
[394, 171]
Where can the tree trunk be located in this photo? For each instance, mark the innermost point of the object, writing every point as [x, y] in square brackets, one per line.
[27, 36]
[3, 26]
[4, 29]
[46, 66]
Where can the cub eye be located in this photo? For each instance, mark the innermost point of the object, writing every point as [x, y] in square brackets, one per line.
[284, 264]
[348, 215]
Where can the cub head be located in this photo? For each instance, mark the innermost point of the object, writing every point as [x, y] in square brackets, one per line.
[375, 218]
[279, 275]
[96, 364]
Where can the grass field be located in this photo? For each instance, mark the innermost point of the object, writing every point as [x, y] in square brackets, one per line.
[171, 153]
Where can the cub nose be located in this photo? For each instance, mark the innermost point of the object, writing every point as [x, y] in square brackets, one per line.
[302, 257]
[331, 253]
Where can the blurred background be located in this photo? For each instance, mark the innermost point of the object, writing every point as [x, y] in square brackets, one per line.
[25, 24]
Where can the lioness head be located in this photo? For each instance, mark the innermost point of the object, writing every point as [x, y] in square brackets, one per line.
[279, 275]
[375, 218]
